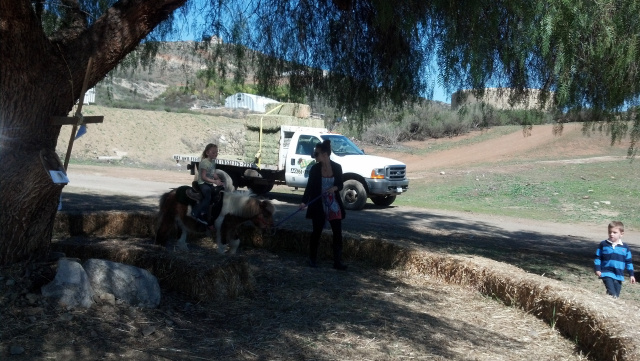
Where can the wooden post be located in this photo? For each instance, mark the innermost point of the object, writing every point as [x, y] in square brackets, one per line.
[78, 119]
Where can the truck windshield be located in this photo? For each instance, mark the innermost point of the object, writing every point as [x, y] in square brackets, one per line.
[341, 145]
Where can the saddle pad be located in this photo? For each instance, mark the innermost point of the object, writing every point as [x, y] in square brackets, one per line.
[193, 195]
[181, 196]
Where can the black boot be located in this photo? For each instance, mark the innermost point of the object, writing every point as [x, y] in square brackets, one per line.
[313, 252]
[337, 260]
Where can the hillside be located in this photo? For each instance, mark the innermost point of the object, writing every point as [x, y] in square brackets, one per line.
[171, 80]
[144, 138]
[176, 64]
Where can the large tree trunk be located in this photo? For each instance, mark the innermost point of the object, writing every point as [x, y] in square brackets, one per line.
[29, 82]
[28, 205]
[41, 77]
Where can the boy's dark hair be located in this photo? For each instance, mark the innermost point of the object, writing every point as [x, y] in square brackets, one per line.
[616, 224]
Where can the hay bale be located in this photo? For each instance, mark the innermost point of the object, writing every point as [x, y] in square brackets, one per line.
[274, 122]
[576, 313]
[202, 275]
[262, 135]
[107, 224]
[579, 315]
[294, 109]
[268, 148]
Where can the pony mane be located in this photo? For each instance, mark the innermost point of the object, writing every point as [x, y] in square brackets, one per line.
[244, 205]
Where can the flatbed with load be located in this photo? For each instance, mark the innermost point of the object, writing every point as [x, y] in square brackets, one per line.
[278, 150]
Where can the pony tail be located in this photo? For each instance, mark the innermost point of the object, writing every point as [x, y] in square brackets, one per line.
[164, 220]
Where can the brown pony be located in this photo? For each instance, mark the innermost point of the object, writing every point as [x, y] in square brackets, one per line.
[237, 208]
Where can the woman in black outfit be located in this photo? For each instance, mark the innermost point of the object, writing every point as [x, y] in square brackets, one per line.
[325, 182]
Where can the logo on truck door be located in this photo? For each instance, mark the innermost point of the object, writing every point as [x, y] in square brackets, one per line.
[305, 165]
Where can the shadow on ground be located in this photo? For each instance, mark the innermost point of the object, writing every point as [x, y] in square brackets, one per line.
[532, 251]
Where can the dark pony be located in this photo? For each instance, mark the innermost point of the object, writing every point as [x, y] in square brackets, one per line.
[237, 208]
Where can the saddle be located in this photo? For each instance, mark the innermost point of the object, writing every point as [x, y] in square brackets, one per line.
[195, 194]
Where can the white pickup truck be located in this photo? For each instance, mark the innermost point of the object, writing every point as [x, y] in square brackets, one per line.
[364, 176]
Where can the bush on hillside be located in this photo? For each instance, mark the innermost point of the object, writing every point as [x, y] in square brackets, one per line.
[425, 121]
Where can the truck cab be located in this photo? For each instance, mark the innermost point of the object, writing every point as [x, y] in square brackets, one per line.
[365, 176]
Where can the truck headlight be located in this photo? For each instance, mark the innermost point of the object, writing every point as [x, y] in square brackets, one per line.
[377, 173]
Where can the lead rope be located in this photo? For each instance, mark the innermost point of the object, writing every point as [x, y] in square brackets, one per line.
[292, 214]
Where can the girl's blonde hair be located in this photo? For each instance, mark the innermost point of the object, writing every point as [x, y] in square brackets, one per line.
[206, 149]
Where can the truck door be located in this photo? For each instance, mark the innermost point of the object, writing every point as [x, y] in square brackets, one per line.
[300, 160]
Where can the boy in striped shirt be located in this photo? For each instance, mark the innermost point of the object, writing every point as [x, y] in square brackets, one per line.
[612, 258]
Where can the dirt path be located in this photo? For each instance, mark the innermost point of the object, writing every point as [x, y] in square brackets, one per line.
[113, 188]
[541, 143]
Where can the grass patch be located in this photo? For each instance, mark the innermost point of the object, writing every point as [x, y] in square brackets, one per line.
[561, 192]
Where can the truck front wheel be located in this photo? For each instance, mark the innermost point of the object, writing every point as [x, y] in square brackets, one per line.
[353, 195]
[383, 201]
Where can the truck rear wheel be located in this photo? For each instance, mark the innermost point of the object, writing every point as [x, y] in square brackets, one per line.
[255, 184]
[261, 189]
[383, 201]
[353, 195]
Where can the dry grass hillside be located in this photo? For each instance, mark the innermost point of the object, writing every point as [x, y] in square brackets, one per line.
[148, 139]
[143, 138]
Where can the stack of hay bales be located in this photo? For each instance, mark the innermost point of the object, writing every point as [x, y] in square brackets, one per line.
[294, 109]
[269, 126]
[106, 224]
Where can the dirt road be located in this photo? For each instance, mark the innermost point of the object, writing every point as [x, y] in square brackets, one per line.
[94, 188]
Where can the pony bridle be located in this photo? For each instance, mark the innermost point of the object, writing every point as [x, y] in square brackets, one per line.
[263, 224]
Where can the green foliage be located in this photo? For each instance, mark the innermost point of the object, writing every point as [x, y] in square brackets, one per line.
[428, 120]
[583, 54]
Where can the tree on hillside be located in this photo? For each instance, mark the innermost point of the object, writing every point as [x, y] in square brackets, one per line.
[584, 51]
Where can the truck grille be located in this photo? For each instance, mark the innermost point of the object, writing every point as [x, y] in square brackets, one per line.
[396, 172]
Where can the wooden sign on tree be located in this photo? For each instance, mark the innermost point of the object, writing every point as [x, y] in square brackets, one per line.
[78, 119]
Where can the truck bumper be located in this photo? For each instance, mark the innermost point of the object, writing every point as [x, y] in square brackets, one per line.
[378, 187]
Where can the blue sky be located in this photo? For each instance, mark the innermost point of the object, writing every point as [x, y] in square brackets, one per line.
[188, 33]
[440, 95]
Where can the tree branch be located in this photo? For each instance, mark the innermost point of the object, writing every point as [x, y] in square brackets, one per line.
[114, 35]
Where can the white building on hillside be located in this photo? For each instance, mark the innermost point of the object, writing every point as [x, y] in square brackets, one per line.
[252, 102]
[90, 96]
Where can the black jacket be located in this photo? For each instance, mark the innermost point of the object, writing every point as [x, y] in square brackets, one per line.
[314, 188]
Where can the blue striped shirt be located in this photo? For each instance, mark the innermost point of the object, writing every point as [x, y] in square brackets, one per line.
[613, 261]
